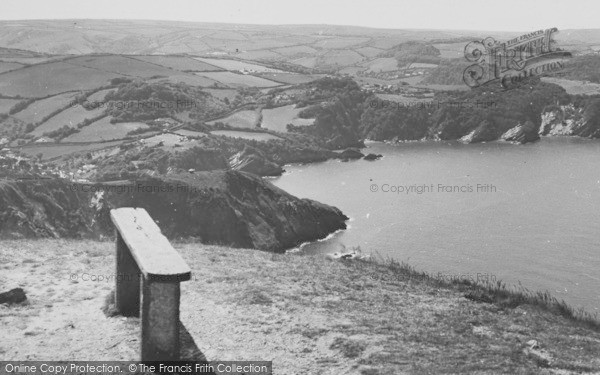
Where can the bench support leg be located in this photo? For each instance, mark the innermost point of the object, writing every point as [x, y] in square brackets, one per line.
[160, 321]
[127, 288]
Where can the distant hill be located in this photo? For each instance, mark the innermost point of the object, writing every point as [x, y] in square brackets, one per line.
[165, 37]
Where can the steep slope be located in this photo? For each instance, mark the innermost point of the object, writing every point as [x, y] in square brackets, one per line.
[222, 207]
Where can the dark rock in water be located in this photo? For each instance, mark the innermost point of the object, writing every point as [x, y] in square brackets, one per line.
[373, 156]
[522, 134]
[13, 296]
[351, 153]
[254, 161]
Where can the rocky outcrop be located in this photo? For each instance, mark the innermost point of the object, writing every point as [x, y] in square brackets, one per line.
[292, 154]
[254, 161]
[13, 296]
[200, 159]
[568, 120]
[483, 133]
[350, 153]
[343, 141]
[44, 208]
[230, 208]
[372, 157]
[235, 209]
[522, 134]
[563, 120]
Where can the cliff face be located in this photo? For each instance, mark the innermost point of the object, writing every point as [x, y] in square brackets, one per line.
[44, 208]
[571, 121]
[483, 133]
[522, 133]
[254, 161]
[223, 207]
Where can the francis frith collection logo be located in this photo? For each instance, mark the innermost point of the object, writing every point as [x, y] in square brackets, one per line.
[508, 63]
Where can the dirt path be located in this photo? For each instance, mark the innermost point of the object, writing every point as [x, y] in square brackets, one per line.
[62, 318]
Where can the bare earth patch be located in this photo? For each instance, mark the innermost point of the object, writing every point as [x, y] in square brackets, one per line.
[307, 314]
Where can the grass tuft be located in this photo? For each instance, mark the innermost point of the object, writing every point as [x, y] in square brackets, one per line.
[485, 291]
[349, 348]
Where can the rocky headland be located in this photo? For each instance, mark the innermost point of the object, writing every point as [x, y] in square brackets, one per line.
[231, 208]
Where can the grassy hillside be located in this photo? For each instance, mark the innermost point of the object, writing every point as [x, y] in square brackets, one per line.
[38, 81]
[307, 314]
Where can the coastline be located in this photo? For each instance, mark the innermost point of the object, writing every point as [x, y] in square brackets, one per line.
[298, 249]
[538, 181]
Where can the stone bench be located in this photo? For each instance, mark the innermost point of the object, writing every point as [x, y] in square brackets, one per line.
[145, 256]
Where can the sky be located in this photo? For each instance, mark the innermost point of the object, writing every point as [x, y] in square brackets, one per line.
[499, 15]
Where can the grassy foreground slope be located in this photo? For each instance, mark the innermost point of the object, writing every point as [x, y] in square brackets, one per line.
[307, 314]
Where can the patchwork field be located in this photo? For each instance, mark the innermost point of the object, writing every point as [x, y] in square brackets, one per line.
[31, 60]
[121, 65]
[341, 43]
[71, 117]
[264, 55]
[39, 109]
[352, 70]
[103, 130]
[205, 56]
[290, 78]
[238, 80]
[240, 119]
[277, 118]
[307, 62]
[245, 135]
[383, 64]
[385, 43]
[98, 96]
[369, 51]
[340, 58]
[234, 46]
[39, 81]
[422, 65]
[7, 104]
[296, 50]
[7, 66]
[182, 63]
[238, 65]
[11, 125]
[222, 93]
[55, 150]
[451, 50]
[190, 79]
[575, 87]
[414, 80]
